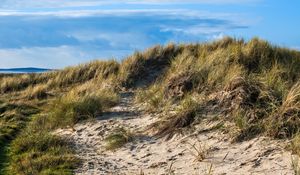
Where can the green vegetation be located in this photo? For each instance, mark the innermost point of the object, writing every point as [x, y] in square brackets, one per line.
[37, 151]
[13, 117]
[252, 85]
[117, 139]
[72, 108]
[64, 98]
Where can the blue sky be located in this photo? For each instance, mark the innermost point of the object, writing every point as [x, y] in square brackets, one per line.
[59, 33]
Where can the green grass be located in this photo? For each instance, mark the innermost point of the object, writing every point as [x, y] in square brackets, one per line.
[36, 151]
[13, 118]
[71, 108]
[117, 139]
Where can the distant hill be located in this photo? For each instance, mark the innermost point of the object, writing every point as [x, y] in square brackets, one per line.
[24, 70]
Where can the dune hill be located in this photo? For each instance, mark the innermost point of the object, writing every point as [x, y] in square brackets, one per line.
[237, 93]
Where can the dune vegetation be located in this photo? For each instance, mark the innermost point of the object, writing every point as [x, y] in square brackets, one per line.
[251, 87]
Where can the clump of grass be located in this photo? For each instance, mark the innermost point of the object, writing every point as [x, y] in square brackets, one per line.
[141, 65]
[118, 138]
[199, 151]
[184, 116]
[67, 77]
[153, 98]
[36, 92]
[70, 110]
[36, 151]
[285, 120]
[82, 102]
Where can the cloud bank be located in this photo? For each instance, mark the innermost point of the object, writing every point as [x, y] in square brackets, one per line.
[57, 33]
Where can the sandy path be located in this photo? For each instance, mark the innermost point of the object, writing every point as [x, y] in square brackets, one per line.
[148, 155]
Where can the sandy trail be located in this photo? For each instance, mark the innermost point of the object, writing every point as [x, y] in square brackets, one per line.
[149, 155]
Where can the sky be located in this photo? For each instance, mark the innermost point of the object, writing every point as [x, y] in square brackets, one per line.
[59, 33]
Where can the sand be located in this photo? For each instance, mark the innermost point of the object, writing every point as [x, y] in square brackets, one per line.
[179, 155]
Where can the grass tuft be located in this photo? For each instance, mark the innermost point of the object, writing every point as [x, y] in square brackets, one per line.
[118, 138]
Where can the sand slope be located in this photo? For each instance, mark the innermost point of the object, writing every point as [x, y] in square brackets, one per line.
[149, 155]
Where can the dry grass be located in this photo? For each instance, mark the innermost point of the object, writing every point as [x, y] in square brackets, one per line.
[36, 92]
[255, 83]
[285, 120]
[152, 98]
[118, 138]
[74, 107]
[199, 151]
[184, 115]
[295, 165]
[139, 66]
[252, 84]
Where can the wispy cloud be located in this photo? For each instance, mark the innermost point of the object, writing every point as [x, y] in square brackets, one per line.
[59, 38]
[133, 29]
[13, 4]
[56, 33]
[178, 13]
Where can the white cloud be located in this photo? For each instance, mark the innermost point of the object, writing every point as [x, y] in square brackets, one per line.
[296, 48]
[171, 13]
[53, 57]
[117, 40]
[84, 13]
[13, 4]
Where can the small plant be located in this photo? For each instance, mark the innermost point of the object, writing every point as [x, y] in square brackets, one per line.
[240, 119]
[184, 116]
[199, 151]
[117, 139]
